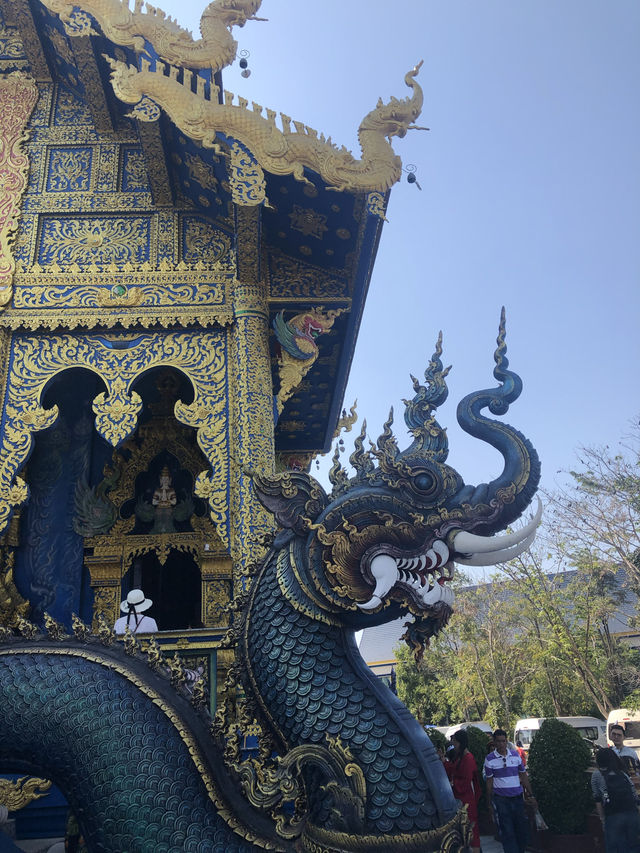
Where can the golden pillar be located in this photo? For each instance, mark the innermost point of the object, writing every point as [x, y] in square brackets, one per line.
[251, 397]
[105, 571]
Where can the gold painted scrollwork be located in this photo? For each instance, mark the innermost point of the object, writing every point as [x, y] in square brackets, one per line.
[246, 178]
[270, 786]
[16, 795]
[35, 360]
[145, 110]
[117, 414]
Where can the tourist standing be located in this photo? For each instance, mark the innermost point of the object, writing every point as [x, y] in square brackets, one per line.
[627, 755]
[507, 780]
[134, 606]
[616, 803]
[463, 774]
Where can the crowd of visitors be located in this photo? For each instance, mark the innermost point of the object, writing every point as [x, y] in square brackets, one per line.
[614, 785]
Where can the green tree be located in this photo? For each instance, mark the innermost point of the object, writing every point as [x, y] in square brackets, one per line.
[420, 688]
[536, 641]
[561, 641]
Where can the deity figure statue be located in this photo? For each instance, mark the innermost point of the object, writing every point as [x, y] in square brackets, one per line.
[164, 509]
[165, 495]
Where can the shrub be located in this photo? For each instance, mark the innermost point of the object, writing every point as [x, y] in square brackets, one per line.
[557, 765]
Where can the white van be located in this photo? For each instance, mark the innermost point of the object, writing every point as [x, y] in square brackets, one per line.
[630, 721]
[590, 728]
[479, 724]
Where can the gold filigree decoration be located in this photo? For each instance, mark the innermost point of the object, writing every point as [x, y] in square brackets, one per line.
[79, 24]
[18, 96]
[281, 152]
[81, 631]
[346, 421]
[61, 45]
[295, 361]
[246, 178]
[12, 605]
[189, 292]
[71, 110]
[117, 414]
[161, 545]
[376, 204]
[201, 356]
[268, 787]
[11, 47]
[16, 795]
[134, 171]
[69, 170]
[109, 240]
[203, 243]
[201, 172]
[308, 221]
[26, 628]
[130, 28]
[293, 279]
[55, 630]
[145, 110]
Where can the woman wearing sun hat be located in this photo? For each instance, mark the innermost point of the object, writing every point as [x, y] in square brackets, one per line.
[134, 606]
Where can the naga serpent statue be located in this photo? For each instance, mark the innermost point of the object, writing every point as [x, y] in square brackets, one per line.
[341, 764]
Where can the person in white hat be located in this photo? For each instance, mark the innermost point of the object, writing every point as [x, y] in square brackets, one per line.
[134, 606]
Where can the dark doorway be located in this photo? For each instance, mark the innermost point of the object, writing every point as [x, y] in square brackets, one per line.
[174, 588]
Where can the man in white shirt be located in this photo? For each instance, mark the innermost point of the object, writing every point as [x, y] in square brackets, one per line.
[507, 780]
[134, 606]
[627, 755]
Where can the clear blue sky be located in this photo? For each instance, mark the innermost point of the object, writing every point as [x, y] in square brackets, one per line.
[530, 198]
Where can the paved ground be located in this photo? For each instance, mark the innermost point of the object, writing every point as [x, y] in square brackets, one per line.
[490, 845]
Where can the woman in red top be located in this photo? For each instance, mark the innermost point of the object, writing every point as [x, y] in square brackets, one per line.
[463, 775]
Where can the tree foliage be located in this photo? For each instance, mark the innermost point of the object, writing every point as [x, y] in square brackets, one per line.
[536, 638]
[598, 513]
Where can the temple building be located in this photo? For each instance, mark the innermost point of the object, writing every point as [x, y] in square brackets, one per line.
[182, 278]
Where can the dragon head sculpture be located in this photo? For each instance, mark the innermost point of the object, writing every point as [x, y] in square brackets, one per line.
[396, 116]
[385, 541]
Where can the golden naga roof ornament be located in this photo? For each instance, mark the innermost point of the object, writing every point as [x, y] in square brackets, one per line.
[133, 27]
[283, 151]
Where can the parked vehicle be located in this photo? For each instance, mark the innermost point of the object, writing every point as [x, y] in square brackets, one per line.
[591, 729]
[630, 720]
[479, 724]
[442, 729]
